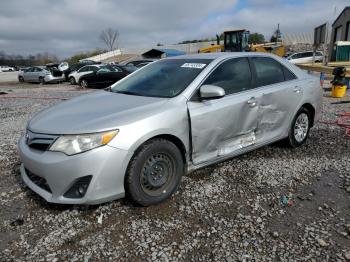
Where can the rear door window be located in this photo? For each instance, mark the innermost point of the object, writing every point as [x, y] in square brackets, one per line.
[93, 69]
[83, 69]
[233, 76]
[288, 75]
[268, 71]
[296, 56]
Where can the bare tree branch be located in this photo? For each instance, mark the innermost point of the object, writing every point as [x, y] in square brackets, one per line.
[109, 36]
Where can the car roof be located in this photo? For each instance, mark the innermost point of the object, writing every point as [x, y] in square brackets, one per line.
[97, 65]
[221, 55]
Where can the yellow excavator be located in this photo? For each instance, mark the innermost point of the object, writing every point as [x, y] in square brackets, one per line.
[237, 41]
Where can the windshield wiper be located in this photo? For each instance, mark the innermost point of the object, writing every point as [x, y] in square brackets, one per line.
[127, 93]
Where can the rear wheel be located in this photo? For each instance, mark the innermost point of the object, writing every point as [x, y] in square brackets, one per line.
[42, 81]
[154, 173]
[299, 129]
[84, 84]
[72, 80]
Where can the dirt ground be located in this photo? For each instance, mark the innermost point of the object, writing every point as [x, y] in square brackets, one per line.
[237, 210]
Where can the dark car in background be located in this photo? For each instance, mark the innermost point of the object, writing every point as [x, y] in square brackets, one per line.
[141, 62]
[103, 76]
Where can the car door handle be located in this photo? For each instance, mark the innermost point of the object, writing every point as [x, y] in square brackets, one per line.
[297, 89]
[252, 102]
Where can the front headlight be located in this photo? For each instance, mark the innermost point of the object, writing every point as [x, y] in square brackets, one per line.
[74, 144]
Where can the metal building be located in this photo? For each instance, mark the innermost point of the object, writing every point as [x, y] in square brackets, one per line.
[340, 31]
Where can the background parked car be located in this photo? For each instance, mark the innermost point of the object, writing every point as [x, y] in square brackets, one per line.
[74, 77]
[103, 76]
[129, 68]
[305, 57]
[138, 62]
[40, 74]
[142, 64]
[77, 66]
[7, 68]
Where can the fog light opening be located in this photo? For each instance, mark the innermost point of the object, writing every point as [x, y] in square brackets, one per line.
[79, 187]
[82, 189]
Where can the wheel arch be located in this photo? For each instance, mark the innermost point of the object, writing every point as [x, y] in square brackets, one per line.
[309, 107]
[172, 138]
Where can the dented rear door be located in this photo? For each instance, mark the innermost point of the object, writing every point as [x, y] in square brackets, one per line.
[280, 93]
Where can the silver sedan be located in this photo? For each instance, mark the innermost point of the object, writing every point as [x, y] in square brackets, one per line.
[41, 74]
[141, 135]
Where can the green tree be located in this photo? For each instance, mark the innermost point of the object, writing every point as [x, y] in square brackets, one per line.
[256, 38]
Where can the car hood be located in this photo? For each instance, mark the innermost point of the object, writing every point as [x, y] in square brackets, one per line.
[94, 112]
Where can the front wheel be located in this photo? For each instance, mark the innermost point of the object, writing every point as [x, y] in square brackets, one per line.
[21, 79]
[154, 173]
[42, 81]
[299, 129]
[72, 81]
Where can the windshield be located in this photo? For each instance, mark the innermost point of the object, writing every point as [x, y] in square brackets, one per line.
[165, 78]
[107, 69]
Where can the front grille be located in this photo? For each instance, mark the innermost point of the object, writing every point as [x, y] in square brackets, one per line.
[39, 142]
[39, 181]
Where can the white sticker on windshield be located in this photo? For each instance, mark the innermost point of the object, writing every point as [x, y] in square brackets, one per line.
[194, 65]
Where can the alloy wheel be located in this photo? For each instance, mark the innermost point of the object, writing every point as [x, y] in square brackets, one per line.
[84, 84]
[301, 127]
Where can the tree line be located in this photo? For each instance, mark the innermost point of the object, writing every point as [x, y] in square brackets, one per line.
[29, 60]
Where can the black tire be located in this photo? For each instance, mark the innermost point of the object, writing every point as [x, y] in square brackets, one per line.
[42, 81]
[154, 173]
[295, 138]
[21, 79]
[72, 81]
[84, 83]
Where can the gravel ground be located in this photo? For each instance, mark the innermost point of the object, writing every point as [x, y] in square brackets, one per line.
[231, 211]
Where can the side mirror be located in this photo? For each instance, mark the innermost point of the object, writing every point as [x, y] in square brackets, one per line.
[211, 92]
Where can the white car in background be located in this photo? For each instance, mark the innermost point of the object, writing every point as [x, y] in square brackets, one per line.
[305, 57]
[75, 76]
[6, 69]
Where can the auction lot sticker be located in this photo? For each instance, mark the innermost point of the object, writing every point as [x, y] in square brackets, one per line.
[194, 65]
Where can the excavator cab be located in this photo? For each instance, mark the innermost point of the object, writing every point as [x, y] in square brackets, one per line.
[236, 40]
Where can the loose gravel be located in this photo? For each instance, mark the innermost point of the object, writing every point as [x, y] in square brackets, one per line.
[273, 204]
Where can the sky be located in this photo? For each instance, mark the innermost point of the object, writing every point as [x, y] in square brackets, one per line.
[66, 27]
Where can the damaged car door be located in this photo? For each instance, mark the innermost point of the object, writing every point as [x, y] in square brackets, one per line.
[220, 127]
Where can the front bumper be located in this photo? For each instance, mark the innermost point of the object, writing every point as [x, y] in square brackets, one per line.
[51, 78]
[106, 164]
